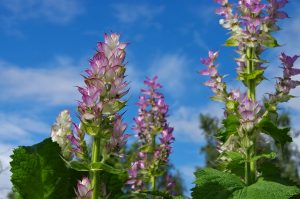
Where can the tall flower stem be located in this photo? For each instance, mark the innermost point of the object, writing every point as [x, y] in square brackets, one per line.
[153, 177]
[95, 174]
[250, 164]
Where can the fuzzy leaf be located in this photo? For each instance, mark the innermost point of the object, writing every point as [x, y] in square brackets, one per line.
[231, 41]
[78, 166]
[280, 135]
[266, 190]
[105, 167]
[271, 155]
[235, 164]
[38, 172]
[158, 193]
[231, 124]
[214, 184]
[268, 41]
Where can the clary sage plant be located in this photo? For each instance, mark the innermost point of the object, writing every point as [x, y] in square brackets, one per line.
[251, 24]
[86, 159]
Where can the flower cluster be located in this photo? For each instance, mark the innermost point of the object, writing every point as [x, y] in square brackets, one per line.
[285, 84]
[249, 113]
[105, 84]
[84, 189]
[251, 23]
[118, 137]
[60, 131]
[171, 184]
[151, 121]
[216, 81]
[101, 97]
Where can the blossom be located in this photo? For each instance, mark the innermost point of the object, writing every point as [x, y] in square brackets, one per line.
[216, 81]
[249, 113]
[118, 138]
[60, 130]
[285, 83]
[151, 122]
[84, 189]
[105, 84]
[171, 184]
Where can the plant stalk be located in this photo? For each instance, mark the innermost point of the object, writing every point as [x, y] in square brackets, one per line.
[95, 174]
[250, 164]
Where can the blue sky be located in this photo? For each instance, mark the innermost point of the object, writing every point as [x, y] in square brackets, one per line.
[46, 44]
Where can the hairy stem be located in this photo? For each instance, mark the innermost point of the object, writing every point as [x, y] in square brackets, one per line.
[153, 177]
[250, 164]
[95, 174]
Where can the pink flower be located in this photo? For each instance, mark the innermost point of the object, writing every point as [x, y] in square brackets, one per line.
[84, 189]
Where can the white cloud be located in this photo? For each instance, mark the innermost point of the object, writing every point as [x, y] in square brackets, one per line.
[185, 121]
[133, 13]
[172, 71]
[51, 85]
[13, 12]
[5, 184]
[20, 129]
[56, 11]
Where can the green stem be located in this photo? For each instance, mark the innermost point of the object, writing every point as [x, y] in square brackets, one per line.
[95, 174]
[250, 165]
[153, 184]
[153, 177]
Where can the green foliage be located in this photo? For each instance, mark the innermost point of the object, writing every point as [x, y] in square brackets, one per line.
[232, 41]
[235, 164]
[266, 190]
[280, 135]
[268, 40]
[38, 172]
[99, 166]
[256, 75]
[214, 184]
[231, 124]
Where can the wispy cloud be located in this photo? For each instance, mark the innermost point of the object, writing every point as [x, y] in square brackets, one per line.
[54, 11]
[5, 184]
[185, 120]
[173, 71]
[133, 13]
[20, 129]
[52, 85]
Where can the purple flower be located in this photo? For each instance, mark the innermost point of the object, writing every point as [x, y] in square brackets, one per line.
[84, 189]
[216, 81]
[285, 84]
[171, 184]
[105, 84]
[249, 112]
[118, 138]
[151, 122]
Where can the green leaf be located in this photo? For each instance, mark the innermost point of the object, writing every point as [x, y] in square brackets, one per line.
[235, 164]
[231, 124]
[214, 184]
[254, 75]
[268, 40]
[98, 166]
[280, 135]
[111, 108]
[38, 172]
[77, 165]
[271, 155]
[232, 41]
[158, 193]
[266, 190]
